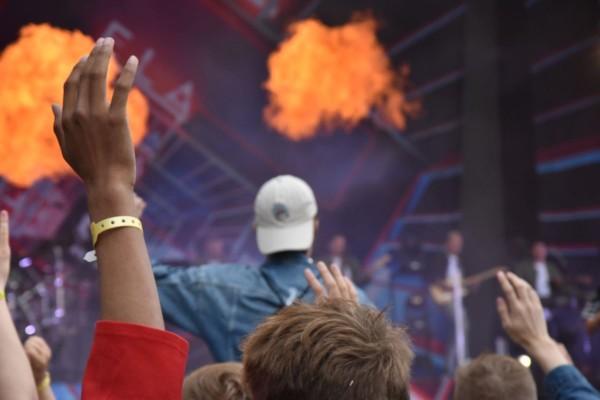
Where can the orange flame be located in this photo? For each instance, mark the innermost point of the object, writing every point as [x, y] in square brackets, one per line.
[328, 77]
[34, 69]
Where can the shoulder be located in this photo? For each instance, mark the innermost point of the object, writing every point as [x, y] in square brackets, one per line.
[232, 275]
[227, 274]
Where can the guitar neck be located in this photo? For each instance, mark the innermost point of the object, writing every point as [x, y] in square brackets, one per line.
[481, 276]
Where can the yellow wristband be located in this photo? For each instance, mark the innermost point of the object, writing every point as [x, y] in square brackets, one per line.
[45, 383]
[2, 295]
[96, 228]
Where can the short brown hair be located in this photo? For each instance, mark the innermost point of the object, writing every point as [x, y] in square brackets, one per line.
[331, 350]
[494, 377]
[215, 382]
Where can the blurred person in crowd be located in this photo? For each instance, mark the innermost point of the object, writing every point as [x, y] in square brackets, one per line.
[39, 355]
[221, 381]
[522, 317]
[214, 251]
[339, 255]
[223, 303]
[333, 349]
[494, 377]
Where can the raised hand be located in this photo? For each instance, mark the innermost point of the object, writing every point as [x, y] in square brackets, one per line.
[4, 249]
[16, 379]
[521, 310]
[94, 138]
[39, 355]
[93, 135]
[523, 320]
[337, 286]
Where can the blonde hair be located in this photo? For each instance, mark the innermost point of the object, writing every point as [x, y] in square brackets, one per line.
[331, 350]
[215, 382]
[494, 377]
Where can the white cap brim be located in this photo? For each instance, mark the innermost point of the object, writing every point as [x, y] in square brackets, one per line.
[293, 238]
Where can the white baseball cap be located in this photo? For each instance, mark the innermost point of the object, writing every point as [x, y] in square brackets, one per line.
[284, 212]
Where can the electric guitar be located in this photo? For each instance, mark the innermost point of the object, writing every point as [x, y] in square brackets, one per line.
[441, 292]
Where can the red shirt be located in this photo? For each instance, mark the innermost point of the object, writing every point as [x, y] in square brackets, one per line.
[130, 362]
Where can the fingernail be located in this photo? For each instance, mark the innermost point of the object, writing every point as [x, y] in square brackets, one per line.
[108, 42]
[83, 59]
[99, 41]
[132, 61]
[4, 213]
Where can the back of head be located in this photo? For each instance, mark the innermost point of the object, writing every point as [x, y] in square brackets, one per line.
[333, 350]
[494, 377]
[284, 215]
[215, 382]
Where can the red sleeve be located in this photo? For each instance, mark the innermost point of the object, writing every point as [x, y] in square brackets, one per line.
[134, 362]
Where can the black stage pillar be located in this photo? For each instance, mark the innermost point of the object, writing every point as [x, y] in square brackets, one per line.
[497, 188]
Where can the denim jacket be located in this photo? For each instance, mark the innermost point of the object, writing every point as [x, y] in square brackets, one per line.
[223, 303]
[567, 383]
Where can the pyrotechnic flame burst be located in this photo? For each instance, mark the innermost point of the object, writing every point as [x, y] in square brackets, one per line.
[323, 77]
[33, 70]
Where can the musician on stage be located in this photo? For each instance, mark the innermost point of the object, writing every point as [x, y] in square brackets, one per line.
[448, 270]
[340, 256]
[565, 324]
[542, 274]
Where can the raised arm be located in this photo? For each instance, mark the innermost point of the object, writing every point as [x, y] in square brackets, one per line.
[16, 379]
[95, 140]
[523, 320]
[39, 355]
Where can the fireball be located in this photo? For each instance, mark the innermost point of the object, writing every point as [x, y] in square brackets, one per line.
[33, 70]
[325, 77]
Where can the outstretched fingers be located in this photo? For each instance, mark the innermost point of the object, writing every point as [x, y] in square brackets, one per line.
[123, 85]
[503, 311]
[84, 87]
[329, 280]
[507, 289]
[315, 285]
[351, 289]
[97, 76]
[340, 282]
[71, 88]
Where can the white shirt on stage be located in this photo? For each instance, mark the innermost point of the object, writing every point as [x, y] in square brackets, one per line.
[454, 276]
[542, 280]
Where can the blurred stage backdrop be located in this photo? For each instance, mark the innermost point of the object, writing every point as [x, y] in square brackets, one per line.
[390, 110]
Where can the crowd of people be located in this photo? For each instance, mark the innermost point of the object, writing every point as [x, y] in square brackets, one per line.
[301, 330]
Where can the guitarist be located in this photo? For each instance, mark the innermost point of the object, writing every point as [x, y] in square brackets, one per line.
[562, 316]
[544, 276]
[449, 268]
